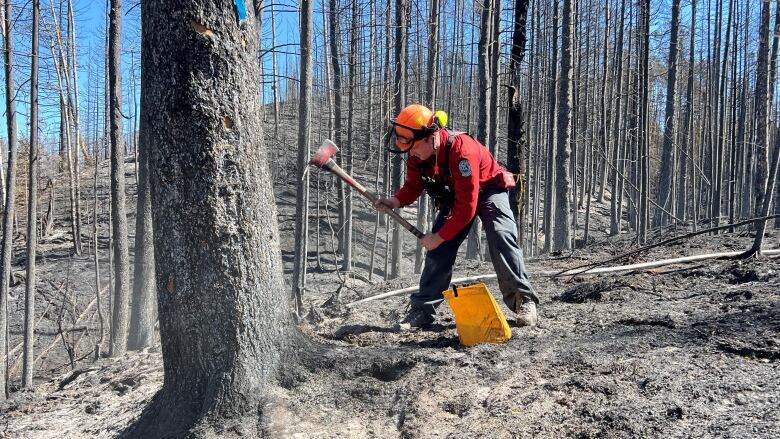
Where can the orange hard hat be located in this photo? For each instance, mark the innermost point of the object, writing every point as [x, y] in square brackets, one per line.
[414, 122]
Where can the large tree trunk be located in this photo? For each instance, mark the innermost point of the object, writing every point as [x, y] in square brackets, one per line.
[143, 313]
[225, 319]
[10, 193]
[120, 320]
[32, 209]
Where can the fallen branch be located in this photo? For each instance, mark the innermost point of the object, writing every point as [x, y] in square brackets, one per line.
[614, 269]
[667, 242]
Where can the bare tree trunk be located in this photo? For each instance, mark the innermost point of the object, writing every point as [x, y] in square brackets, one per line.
[667, 151]
[74, 104]
[10, 196]
[762, 110]
[516, 134]
[304, 133]
[562, 232]
[32, 209]
[687, 124]
[399, 100]
[616, 202]
[431, 84]
[119, 322]
[143, 313]
[335, 64]
[349, 147]
[210, 310]
[484, 104]
[550, 177]
[495, 55]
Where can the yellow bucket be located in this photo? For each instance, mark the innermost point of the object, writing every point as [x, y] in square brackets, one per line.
[478, 318]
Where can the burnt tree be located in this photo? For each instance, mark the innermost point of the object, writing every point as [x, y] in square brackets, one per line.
[225, 318]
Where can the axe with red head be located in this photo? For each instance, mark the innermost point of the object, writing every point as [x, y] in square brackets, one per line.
[323, 159]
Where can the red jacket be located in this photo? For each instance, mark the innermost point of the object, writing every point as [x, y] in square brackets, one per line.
[472, 168]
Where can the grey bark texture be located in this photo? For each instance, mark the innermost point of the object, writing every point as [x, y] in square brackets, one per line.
[687, 124]
[225, 315]
[304, 134]
[32, 209]
[562, 230]
[667, 151]
[121, 311]
[484, 110]
[399, 101]
[10, 193]
[516, 134]
[762, 109]
[143, 313]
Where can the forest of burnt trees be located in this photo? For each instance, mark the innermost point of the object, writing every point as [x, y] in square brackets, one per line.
[662, 113]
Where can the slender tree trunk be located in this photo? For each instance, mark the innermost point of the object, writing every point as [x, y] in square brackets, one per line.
[667, 151]
[495, 55]
[10, 196]
[335, 64]
[616, 201]
[550, 177]
[430, 100]
[143, 313]
[399, 100]
[32, 210]
[119, 322]
[304, 134]
[74, 104]
[516, 134]
[349, 147]
[562, 232]
[484, 110]
[687, 124]
[762, 110]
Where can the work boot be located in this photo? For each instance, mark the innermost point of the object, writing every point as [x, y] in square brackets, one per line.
[526, 312]
[415, 318]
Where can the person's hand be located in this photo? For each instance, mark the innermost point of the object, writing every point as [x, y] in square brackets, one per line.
[431, 240]
[385, 204]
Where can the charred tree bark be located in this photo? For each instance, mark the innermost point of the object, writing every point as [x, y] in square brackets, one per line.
[399, 100]
[10, 194]
[304, 133]
[516, 134]
[762, 109]
[562, 232]
[483, 101]
[32, 209]
[119, 322]
[667, 151]
[550, 177]
[687, 125]
[143, 313]
[225, 320]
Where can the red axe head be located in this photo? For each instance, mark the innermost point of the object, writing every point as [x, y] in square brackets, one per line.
[324, 154]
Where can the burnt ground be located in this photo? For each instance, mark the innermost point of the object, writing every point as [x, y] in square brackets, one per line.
[677, 351]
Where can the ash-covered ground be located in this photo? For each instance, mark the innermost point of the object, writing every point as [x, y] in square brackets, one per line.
[677, 351]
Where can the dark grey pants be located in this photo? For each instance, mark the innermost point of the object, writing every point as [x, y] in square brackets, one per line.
[499, 224]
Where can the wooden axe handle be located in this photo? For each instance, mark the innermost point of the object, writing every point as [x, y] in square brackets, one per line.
[331, 166]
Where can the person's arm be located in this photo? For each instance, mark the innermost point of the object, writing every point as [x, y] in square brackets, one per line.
[464, 169]
[413, 186]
